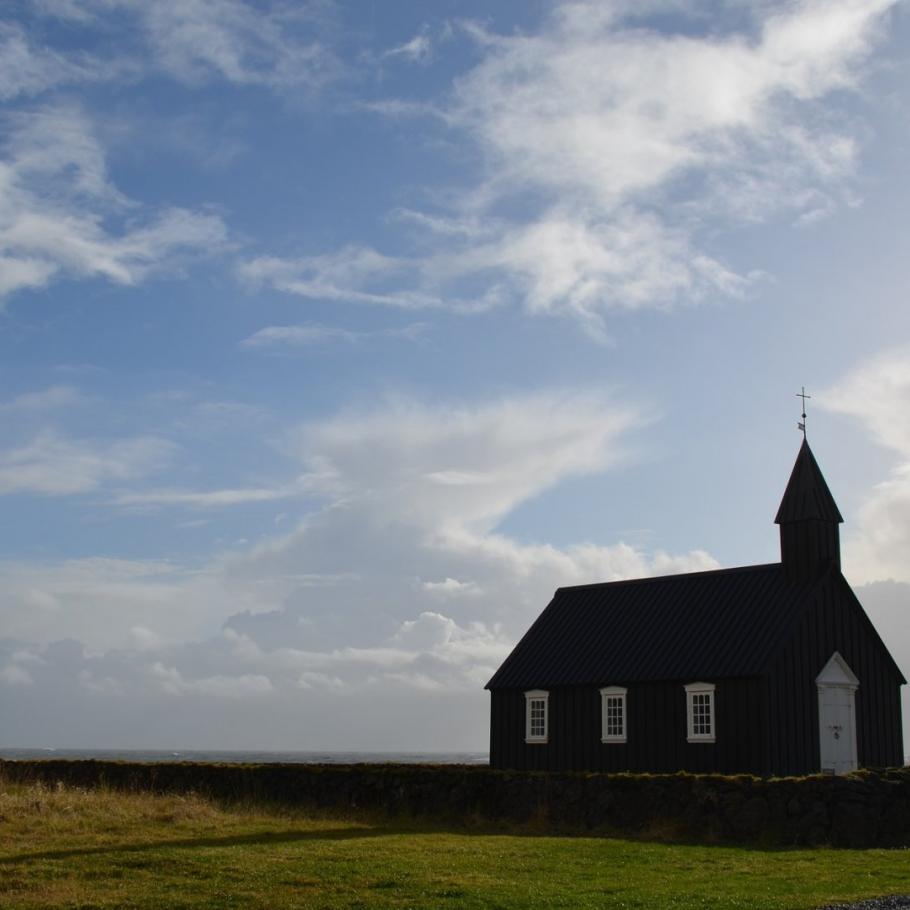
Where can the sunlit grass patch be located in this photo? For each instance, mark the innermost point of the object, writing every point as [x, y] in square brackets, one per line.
[65, 847]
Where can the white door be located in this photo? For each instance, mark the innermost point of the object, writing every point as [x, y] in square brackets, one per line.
[837, 687]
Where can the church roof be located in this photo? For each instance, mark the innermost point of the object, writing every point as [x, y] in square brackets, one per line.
[807, 495]
[711, 625]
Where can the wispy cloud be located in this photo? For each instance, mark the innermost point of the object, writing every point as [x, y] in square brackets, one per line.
[56, 396]
[402, 458]
[621, 146]
[26, 69]
[451, 587]
[877, 395]
[418, 50]
[400, 583]
[343, 276]
[55, 465]
[205, 499]
[245, 44]
[276, 45]
[284, 336]
[172, 681]
[61, 216]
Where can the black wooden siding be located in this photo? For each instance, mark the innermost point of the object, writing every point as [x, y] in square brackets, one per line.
[807, 545]
[765, 724]
[656, 730]
[760, 634]
[834, 622]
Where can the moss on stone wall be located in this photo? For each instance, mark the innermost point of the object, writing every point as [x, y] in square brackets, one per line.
[867, 808]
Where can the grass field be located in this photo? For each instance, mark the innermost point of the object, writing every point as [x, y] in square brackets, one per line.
[77, 849]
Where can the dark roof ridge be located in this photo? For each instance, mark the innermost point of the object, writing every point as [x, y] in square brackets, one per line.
[635, 581]
[716, 623]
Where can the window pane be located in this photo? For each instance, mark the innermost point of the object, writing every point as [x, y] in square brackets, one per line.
[701, 714]
[614, 707]
[614, 715]
[538, 709]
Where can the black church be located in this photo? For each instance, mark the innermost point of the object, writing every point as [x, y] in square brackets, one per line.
[768, 669]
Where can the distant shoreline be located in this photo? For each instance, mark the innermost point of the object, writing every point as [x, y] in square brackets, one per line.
[251, 756]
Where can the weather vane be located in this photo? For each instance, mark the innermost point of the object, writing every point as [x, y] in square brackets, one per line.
[804, 396]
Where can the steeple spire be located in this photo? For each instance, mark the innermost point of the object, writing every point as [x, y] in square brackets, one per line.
[808, 518]
[802, 424]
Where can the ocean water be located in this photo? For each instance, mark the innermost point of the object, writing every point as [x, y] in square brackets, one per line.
[205, 755]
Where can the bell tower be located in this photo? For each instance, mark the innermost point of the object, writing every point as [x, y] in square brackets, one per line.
[808, 518]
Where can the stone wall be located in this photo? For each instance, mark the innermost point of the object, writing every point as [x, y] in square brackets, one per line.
[868, 808]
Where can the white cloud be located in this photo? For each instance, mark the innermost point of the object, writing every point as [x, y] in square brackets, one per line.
[400, 586]
[886, 603]
[103, 685]
[451, 587]
[624, 148]
[20, 274]
[297, 335]
[401, 461]
[590, 107]
[245, 44]
[172, 682]
[275, 45]
[310, 679]
[284, 336]
[419, 491]
[618, 124]
[877, 395]
[418, 50]
[569, 263]
[206, 499]
[15, 671]
[25, 70]
[73, 10]
[54, 465]
[342, 276]
[877, 392]
[320, 480]
[14, 675]
[564, 262]
[56, 396]
[61, 216]
[102, 602]
[144, 639]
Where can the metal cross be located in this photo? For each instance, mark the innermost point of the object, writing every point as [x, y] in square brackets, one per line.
[802, 394]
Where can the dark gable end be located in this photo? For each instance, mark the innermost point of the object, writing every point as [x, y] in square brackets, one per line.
[701, 625]
[849, 595]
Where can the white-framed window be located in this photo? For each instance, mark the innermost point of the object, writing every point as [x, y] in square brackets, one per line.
[700, 712]
[613, 714]
[536, 720]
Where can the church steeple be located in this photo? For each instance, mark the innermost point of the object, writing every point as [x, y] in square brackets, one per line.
[808, 519]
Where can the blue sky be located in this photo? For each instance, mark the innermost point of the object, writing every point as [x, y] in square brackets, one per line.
[334, 337]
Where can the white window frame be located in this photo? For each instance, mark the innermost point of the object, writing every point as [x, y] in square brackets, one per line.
[530, 697]
[607, 693]
[693, 689]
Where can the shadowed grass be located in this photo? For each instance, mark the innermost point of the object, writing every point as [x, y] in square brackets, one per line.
[62, 847]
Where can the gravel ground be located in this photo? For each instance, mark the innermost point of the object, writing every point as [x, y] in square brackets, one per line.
[894, 902]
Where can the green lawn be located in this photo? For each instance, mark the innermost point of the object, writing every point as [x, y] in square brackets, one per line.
[70, 848]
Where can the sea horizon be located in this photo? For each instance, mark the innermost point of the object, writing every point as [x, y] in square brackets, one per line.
[254, 756]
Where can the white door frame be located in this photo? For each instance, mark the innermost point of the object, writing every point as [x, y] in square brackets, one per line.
[837, 685]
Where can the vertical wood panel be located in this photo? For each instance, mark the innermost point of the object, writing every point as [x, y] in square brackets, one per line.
[764, 725]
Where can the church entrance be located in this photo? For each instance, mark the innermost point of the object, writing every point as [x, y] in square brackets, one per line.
[837, 685]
